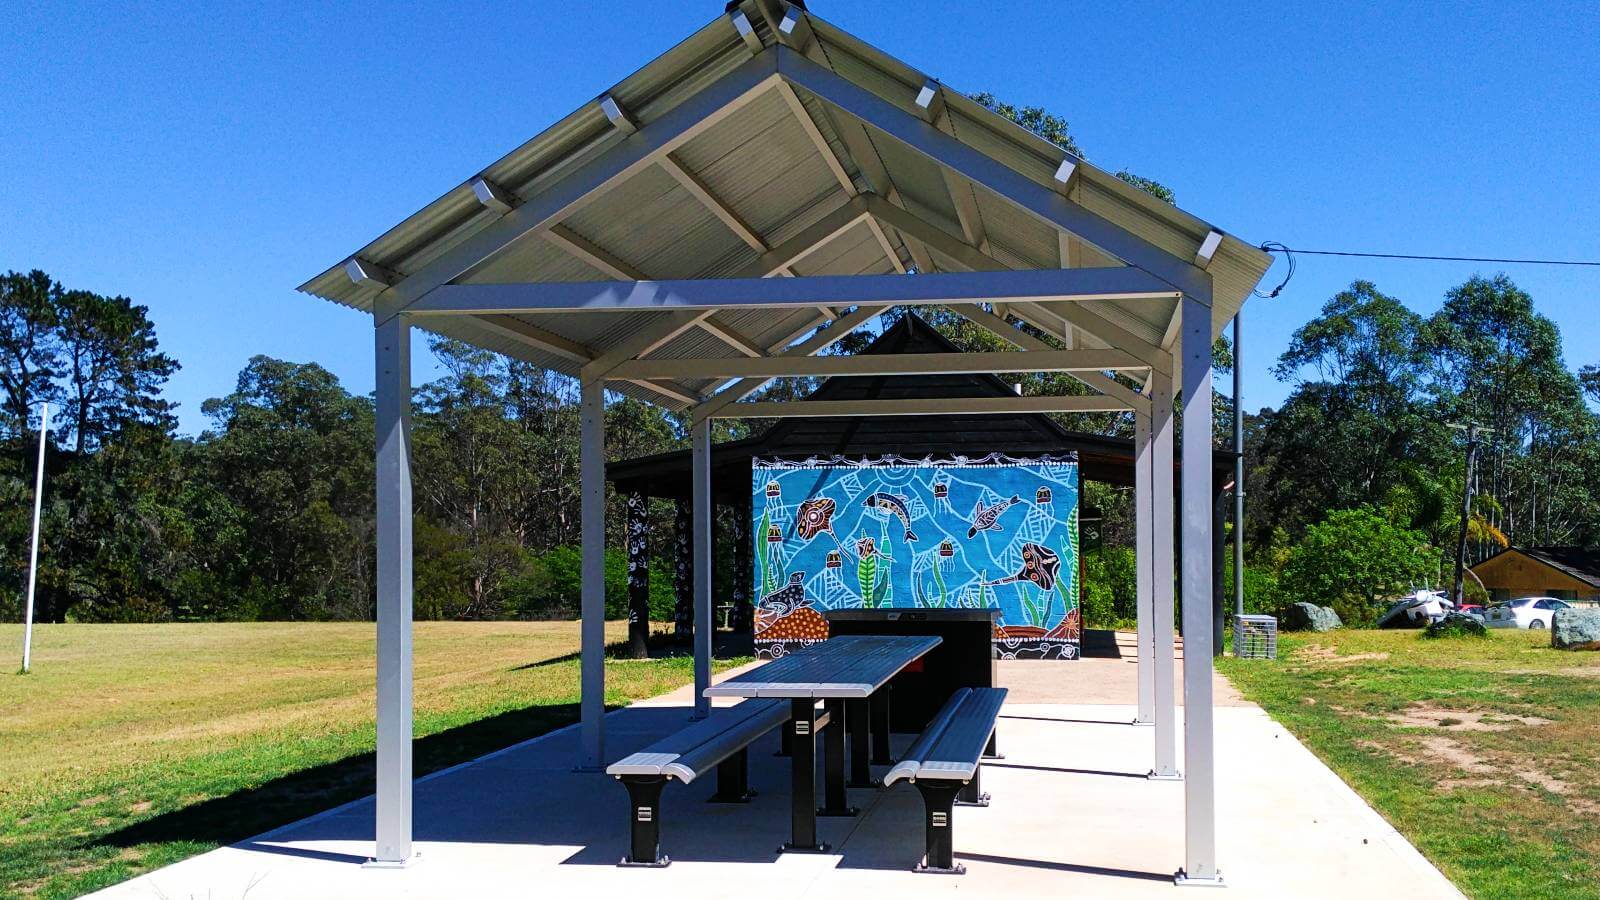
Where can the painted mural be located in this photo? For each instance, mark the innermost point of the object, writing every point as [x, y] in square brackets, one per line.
[888, 532]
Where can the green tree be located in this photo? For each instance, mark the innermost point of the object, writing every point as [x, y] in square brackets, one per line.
[113, 367]
[1356, 559]
[30, 350]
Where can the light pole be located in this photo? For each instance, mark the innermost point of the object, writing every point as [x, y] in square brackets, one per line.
[1238, 464]
[33, 555]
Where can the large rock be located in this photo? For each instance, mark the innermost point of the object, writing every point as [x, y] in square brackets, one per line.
[1576, 629]
[1310, 617]
[1456, 625]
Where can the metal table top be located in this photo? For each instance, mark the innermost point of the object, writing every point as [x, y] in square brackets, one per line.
[848, 666]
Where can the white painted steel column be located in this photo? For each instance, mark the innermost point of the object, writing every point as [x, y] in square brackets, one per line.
[700, 459]
[1199, 519]
[592, 605]
[1144, 569]
[393, 409]
[1162, 428]
[33, 554]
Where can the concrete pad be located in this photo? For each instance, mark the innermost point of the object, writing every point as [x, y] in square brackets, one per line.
[1072, 816]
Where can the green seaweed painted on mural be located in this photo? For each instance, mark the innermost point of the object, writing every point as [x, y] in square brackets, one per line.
[767, 581]
[938, 578]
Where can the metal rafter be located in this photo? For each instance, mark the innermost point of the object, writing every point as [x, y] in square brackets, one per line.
[818, 342]
[919, 407]
[1015, 285]
[871, 365]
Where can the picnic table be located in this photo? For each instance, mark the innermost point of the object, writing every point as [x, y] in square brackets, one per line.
[849, 668]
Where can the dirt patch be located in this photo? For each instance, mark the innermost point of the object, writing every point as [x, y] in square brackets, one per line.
[1440, 750]
[1424, 715]
[1358, 657]
[1548, 782]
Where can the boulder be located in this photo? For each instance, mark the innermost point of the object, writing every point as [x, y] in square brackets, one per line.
[1576, 629]
[1456, 625]
[1310, 617]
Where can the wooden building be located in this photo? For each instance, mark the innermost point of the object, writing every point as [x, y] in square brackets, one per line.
[1566, 573]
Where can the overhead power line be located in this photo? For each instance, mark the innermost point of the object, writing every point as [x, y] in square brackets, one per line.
[1289, 254]
[1272, 247]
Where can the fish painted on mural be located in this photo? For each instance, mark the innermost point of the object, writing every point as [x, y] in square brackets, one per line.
[987, 518]
[896, 506]
[781, 602]
[814, 517]
[1040, 565]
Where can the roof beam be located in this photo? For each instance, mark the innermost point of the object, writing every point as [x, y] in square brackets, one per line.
[591, 179]
[1208, 249]
[782, 257]
[537, 338]
[1048, 205]
[1023, 285]
[677, 392]
[746, 32]
[367, 272]
[596, 256]
[698, 190]
[1096, 325]
[818, 342]
[731, 336]
[493, 196]
[642, 341]
[880, 364]
[917, 407]
[1105, 384]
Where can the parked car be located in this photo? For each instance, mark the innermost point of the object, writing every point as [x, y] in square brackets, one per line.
[1525, 612]
[1477, 611]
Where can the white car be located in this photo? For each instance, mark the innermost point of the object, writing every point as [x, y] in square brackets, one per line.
[1527, 612]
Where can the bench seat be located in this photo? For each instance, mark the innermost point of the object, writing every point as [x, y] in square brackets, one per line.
[944, 763]
[719, 741]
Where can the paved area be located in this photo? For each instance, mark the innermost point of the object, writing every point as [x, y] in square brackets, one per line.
[1072, 816]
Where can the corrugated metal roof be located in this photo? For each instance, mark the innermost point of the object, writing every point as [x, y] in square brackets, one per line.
[763, 165]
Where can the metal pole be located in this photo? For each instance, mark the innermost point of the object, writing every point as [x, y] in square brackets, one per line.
[1162, 567]
[1144, 569]
[1238, 464]
[393, 417]
[33, 555]
[592, 597]
[700, 457]
[1466, 512]
[1199, 750]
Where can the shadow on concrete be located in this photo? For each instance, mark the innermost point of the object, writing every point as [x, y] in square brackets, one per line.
[1068, 721]
[1065, 867]
[1100, 644]
[1000, 765]
[225, 820]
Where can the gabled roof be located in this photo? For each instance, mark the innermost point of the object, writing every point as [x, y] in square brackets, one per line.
[1574, 562]
[765, 164]
[1100, 458]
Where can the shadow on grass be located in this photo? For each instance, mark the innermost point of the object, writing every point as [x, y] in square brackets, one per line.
[726, 645]
[242, 814]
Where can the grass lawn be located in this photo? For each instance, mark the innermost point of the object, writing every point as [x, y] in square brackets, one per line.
[133, 746]
[1485, 753]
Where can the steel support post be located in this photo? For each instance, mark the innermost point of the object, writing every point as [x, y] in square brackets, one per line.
[1144, 569]
[802, 725]
[592, 604]
[1238, 463]
[1199, 788]
[836, 800]
[881, 753]
[700, 458]
[393, 416]
[857, 711]
[1161, 575]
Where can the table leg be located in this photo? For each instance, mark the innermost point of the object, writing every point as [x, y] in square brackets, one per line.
[803, 766]
[837, 801]
[860, 743]
[880, 728]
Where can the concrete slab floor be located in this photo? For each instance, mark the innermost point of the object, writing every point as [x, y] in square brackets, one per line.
[1072, 816]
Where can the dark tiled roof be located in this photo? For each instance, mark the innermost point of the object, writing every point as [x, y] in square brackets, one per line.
[1576, 562]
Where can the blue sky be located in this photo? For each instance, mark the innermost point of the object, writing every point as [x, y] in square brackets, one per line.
[205, 162]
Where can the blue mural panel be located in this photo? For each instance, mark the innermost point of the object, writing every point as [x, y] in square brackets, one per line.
[887, 532]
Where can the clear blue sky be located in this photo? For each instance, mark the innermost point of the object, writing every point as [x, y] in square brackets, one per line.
[205, 162]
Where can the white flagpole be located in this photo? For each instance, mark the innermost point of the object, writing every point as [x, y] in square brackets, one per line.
[33, 557]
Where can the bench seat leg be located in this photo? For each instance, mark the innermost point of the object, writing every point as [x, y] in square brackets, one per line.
[644, 814]
[972, 794]
[733, 779]
[938, 801]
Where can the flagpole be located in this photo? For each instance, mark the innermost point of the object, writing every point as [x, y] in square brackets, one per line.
[33, 556]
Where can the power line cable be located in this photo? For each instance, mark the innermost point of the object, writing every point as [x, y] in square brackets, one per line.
[1274, 247]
